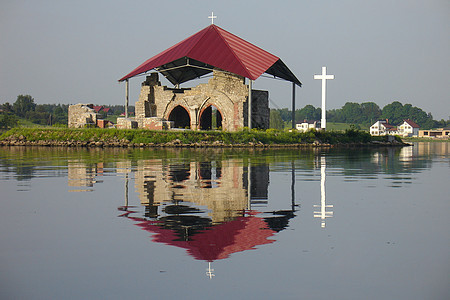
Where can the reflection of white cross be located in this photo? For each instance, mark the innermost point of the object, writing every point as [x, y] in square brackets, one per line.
[212, 17]
[209, 271]
[324, 78]
[323, 213]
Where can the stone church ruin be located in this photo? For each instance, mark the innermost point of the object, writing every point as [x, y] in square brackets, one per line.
[227, 101]
[219, 104]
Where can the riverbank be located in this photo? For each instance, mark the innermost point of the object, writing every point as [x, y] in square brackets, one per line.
[94, 137]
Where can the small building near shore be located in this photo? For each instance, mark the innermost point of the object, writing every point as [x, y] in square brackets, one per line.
[440, 133]
[307, 125]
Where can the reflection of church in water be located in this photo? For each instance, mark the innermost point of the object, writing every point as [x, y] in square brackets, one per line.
[207, 208]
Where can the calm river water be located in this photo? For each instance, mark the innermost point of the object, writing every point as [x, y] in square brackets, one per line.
[225, 224]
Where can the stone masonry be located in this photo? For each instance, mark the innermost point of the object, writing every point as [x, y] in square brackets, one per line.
[160, 107]
[82, 115]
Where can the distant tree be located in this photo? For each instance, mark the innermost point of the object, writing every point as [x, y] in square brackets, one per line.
[275, 119]
[7, 108]
[7, 121]
[352, 113]
[371, 113]
[23, 104]
[285, 114]
[308, 112]
[397, 112]
[393, 112]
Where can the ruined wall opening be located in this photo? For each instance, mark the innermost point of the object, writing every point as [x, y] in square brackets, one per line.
[180, 117]
[211, 119]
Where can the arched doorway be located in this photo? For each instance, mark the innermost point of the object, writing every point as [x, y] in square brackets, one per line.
[211, 119]
[180, 117]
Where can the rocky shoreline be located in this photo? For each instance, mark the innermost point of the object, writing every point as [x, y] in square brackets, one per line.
[22, 141]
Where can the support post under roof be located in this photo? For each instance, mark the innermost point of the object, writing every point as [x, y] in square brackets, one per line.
[293, 105]
[250, 104]
[127, 97]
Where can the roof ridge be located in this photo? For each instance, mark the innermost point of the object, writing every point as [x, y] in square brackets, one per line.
[205, 30]
[231, 49]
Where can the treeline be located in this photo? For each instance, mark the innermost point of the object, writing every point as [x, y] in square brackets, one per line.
[362, 114]
[43, 114]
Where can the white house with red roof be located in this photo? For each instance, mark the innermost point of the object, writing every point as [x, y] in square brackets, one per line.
[408, 128]
[383, 127]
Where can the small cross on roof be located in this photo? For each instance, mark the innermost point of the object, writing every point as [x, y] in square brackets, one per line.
[212, 17]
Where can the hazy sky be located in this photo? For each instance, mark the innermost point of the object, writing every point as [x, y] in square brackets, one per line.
[384, 50]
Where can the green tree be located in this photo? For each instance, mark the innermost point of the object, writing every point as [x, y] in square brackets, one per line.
[393, 112]
[286, 114]
[7, 108]
[23, 104]
[275, 119]
[7, 121]
[308, 112]
[397, 112]
[371, 112]
[352, 113]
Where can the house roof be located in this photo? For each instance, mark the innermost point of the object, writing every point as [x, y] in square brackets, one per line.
[98, 108]
[411, 123]
[388, 126]
[214, 47]
[309, 122]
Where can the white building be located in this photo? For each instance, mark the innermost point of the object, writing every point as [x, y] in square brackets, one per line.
[383, 127]
[307, 125]
[408, 128]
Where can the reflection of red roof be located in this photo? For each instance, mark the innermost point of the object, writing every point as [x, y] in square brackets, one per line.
[412, 123]
[217, 48]
[217, 242]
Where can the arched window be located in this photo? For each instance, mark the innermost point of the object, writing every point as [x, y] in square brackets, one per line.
[211, 118]
[180, 116]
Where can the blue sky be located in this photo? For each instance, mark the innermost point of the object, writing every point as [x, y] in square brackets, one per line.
[75, 51]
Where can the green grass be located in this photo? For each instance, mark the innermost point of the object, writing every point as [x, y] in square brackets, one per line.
[137, 136]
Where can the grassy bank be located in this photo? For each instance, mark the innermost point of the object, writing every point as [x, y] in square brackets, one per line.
[123, 136]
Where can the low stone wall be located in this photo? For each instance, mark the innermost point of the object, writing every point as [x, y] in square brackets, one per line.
[126, 123]
[156, 124]
[82, 115]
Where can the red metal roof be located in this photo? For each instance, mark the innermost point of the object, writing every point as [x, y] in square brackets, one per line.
[214, 47]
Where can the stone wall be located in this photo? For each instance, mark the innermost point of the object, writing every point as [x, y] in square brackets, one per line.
[225, 91]
[126, 123]
[82, 115]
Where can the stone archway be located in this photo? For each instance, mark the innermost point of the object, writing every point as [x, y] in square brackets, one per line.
[180, 117]
[210, 118]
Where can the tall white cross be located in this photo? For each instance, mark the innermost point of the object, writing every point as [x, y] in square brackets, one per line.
[324, 78]
[212, 17]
